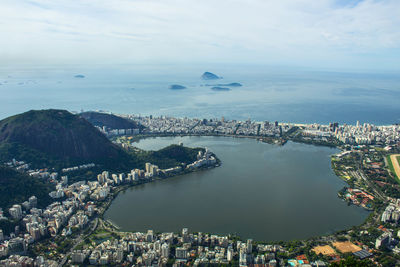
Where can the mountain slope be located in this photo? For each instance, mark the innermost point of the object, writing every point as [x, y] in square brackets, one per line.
[43, 136]
[109, 120]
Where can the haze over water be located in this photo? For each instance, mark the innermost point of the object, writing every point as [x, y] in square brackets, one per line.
[268, 93]
[261, 191]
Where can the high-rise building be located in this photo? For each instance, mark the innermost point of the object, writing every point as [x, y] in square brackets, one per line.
[121, 177]
[148, 166]
[106, 175]
[150, 236]
[249, 246]
[185, 235]
[181, 253]
[16, 212]
[78, 257]
[35, 233]
[119, 255]
[165, 250]
[100, 178]
[33, 202]
[229, 254]
[242, 257]
[16, 245]
[384, 239]
[154, 170]
[135, 175]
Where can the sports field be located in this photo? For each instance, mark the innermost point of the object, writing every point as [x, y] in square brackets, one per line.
[346, 247]
[324, 250]
[396, 166]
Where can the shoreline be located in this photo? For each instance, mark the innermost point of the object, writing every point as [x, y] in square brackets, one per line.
[257, 138]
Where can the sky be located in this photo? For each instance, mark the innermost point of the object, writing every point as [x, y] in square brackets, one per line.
[358, 34]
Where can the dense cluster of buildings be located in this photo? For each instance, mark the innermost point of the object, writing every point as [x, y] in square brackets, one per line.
[80, 167]
[171, 125]
[359, 197]
[114, 132]
[358, 134]
[392, 212]
[34, 223]
[390, 216]
[199, 249]
[75, 204]
[365, 134]
[73, 207]
[348, 134]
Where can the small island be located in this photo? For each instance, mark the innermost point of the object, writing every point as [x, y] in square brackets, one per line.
[231, 84]
[176, 87]
[79, 76]
[219, 88]
[210, 76]
[226, 84]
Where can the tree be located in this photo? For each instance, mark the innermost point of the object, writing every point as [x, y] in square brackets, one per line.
[350, 261]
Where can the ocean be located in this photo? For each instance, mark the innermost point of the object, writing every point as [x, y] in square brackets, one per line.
[268, 93]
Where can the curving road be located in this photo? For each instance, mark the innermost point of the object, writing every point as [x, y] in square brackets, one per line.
[77, 241]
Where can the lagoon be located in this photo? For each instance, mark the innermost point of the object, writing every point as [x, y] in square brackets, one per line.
[261, 191]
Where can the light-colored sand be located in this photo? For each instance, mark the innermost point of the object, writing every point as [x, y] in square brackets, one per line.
[396, 165]
[324, 250]
[346, 247]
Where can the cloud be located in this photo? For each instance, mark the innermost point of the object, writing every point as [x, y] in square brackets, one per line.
[285, 31]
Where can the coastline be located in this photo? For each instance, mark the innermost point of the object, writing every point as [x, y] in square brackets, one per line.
[257, 138]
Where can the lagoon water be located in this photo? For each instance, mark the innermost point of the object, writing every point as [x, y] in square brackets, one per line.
[261, 191]
[268, 93]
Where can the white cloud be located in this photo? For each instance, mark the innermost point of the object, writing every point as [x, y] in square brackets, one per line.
[287, 31]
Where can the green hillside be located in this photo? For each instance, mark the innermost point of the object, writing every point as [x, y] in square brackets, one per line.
[170, 156]
[109, 120]
[16, 187]
[56, 138]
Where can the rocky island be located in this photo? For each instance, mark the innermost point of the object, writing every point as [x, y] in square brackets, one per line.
[210, 76]
[219, 88]
[79, 76]
[176, 87]
[226, 84]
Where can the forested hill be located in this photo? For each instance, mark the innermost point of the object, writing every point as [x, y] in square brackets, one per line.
[110, 121]
[49, 136]
[16, 187]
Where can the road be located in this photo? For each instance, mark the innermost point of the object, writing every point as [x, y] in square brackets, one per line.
[77, 241]
[371, 185]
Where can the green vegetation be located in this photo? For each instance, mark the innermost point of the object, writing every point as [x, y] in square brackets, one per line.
[391, 168]
[8, 226]
[55, 136]
[170, 156]
[57, 139]
[17, 187]
[110, 121]
[350, 261]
